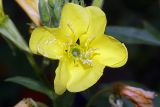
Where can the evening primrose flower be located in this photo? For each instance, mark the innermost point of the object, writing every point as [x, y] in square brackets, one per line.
[80, 45]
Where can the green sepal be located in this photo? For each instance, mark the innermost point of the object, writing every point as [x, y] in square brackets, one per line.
[9, 31]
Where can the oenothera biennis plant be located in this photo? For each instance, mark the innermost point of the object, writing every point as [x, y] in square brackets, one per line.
[80, 45]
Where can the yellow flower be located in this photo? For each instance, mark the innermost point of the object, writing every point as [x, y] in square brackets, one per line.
[80, 45]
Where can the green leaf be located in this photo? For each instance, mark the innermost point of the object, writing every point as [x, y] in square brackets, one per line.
[31, 84]
[10, 32]
[10, 44]
[151, 29]
[98, 3]
[131, 35]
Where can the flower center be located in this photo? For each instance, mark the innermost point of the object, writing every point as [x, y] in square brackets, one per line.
[76, 52]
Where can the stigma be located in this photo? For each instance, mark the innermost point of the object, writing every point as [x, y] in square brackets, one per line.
[77, 53]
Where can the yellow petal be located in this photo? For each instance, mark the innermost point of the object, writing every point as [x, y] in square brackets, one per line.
[82, 76]
[61, 77]
[110, 51]
[74, 20]
[35, 38]
[60, 35]
[97, 23]
[44, 42]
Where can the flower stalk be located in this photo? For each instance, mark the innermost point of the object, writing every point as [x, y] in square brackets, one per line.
[98, 94]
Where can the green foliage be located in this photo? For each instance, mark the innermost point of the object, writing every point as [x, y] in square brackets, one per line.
[65, 100]
[12, 36]
[10, 32]
[56, 7]
[131, 35]
[44, 12]
[50, 12]
[98, 3]
[31, 84]
[151, 29]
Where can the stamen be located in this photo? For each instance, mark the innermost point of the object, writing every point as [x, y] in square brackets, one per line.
[87, 61]
[82, 55]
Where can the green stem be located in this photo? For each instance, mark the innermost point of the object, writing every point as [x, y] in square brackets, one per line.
[94, 97]
[33, 63]
[40, 73]
[37, 70]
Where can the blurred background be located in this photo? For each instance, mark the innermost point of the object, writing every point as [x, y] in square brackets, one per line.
[142, 66]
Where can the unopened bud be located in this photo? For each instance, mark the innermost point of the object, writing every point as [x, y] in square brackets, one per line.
[138, 96]
[31, 8]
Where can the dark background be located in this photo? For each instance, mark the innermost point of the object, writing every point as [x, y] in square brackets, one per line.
[142, 66]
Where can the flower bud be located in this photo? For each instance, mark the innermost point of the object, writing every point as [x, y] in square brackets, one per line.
[31, 8]
[44, 12]
[138, 96]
